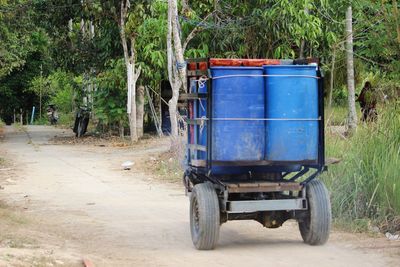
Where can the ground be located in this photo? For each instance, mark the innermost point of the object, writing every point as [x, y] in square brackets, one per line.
[62, 203]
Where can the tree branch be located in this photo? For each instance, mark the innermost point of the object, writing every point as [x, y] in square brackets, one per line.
[193, 33]
[121, 24]
[169, 45]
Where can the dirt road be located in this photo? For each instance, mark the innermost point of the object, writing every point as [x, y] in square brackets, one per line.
[85, 206]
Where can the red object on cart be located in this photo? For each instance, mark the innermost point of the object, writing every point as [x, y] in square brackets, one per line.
[260, 62]
[228, 62]
[257, 62]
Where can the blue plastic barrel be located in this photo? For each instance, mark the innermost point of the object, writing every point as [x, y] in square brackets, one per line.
[238, 97]
[293, 102]
[202, 129]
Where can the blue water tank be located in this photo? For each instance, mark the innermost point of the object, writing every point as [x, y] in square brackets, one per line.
[291, 99]
[237, 97]
[202, 129]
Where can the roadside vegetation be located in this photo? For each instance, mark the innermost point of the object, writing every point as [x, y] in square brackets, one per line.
[365, 185]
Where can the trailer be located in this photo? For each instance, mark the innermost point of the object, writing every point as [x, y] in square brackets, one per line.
[255, 146]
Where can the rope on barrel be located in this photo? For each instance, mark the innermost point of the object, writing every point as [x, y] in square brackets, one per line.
[259, 119]
[203, 79]
[202, 123]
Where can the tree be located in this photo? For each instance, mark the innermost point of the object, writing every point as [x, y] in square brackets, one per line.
[132, 72]
[174, 50]
[127, 19]
[175, 59]
[15, 41]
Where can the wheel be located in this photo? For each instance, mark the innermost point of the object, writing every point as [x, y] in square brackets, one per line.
[204, 216]
[85, 125]
[79, 131]
[316, 224]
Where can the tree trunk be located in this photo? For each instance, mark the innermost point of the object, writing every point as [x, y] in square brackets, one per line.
[181, 63]
[140, 110]
[172, 104]
[177, 68]
[302, 47]
[303, 42]
[175, 50]
[121, 129]
[330, 93]
[131, 72]
[172, 107]
[352, 117]
[131, 105]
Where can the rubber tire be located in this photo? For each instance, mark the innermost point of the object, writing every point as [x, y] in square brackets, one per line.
[204, 226]
[85, 125]
[80, 128]
[316, 226]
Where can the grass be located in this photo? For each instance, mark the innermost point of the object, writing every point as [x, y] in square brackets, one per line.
[167, 167]
[41, 121]
[2, 162]
[66, 119]
[365, 186]
[336, 115]
[11, 217]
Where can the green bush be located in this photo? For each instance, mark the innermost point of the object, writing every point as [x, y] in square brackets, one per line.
[110, 97]
[61, 88]
[41, 121]
[66, 119]
[366, 183]
[339, 96]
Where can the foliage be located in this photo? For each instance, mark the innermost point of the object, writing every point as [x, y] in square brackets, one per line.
[59, 89]
[110, 107]
[365, 183]
[12, 39]
[151, 43]
[62, 85]
[257, 29]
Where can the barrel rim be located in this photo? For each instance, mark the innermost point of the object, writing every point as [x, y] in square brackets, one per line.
[237, 68]
[290, 66]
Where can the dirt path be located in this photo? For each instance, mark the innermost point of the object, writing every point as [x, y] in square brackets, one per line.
[85, 206]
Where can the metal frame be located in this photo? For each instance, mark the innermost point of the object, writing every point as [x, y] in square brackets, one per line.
[271, 192]
[249, 206]
[280, 196]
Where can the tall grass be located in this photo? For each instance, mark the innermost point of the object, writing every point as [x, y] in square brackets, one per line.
[366, 184]
[336, 115]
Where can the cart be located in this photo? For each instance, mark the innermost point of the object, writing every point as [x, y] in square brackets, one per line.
[255, 146]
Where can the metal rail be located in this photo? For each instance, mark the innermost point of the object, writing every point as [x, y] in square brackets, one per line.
[247, 206]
